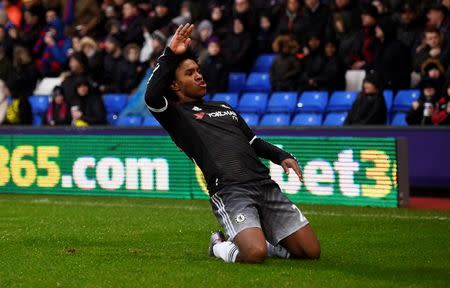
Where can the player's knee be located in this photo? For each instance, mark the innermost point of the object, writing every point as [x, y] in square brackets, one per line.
[255, 254]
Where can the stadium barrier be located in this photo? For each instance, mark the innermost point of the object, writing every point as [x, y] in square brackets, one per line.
[337, 170]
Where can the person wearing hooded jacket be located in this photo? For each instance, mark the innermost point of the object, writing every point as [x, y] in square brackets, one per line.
[88, 109]
[370, 107]
[421, 110]
[392, 61]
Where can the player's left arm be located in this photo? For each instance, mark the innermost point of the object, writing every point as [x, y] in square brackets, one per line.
[269, 151]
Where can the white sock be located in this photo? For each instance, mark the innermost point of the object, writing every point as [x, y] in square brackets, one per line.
[277, 251]
[226, 250]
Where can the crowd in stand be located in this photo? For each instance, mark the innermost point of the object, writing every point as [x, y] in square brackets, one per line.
[107, 46]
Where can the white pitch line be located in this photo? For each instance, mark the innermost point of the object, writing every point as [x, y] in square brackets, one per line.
[186, 207]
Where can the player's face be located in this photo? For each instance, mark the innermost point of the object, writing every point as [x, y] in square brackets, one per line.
[189, 80]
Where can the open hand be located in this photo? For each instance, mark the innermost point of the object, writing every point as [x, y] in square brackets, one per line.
[292, 163]
[181, 39]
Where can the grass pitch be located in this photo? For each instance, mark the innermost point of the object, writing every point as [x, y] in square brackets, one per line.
[61, 241]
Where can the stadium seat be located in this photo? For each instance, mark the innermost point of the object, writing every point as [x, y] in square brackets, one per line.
[263, 63]
[275, 119]
[282, 102]
[112, 119]
[399, 119]
[250, 118]
[39, 104]
[404, 99]
[307, 119]
[258, 82]
[114, 103]
[354, 80]
[236, 82]
[335, 119]
[312, 101]
[129, 121]
[46, 85]
[388, 96]
[342, 100]
[37, 119]
[230, 98]
[150, 121]
[253, 102]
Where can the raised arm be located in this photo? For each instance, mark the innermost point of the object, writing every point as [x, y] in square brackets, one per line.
[161, 78]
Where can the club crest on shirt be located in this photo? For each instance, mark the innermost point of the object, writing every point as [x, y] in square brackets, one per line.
[199, 115]
[195, 108]
[240, 218]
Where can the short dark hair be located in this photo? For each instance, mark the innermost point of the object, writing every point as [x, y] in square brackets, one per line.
[189, 54]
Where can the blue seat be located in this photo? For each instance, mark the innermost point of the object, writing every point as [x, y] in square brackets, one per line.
[399, 119]
[39, 104]
[404, 99]
[263, 63]
[230, 98]
[150, 121]
[250, 118]
[258, 82]
[253, 102]
[236, 81]
[335, 119]
[342, 100]
[112, 119]
[114, 103]
[307, 119]
[313, 101]
[388, 97]
[275, 119]
[37, 119]
[282, 102]
[129, 121]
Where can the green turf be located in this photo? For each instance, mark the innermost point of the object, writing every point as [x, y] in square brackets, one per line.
[122, 242]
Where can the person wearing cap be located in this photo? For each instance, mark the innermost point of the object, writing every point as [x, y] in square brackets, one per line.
[369, 107]
[422, 109]
[214, 67]
[363, 51]
[88, 109]
[408, 29]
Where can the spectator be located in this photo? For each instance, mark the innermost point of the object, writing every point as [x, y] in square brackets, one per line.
[431, 48]
[81, 17]
[160, 18]
[442, 110]
[265, 36]
[6, 66]
[243, 10]
[370, 107]
[318, 20]
[25, 75]
[95, 58]
[113, 67]
[78, 64]
[185, 15]
[113, 29]
[31, 27]
[346, 37]
[89, 109]
[392, 62]
[157, 44]
[219, 21]
[55, 46]
[434, 70]
[349, 12]
[383, 8]
[4, 93]
[238, 48]
[291, 22]
[133, 70]
[13, 12]
[363, 54]
[314, 65]
[215, 68]
[422, 110]
[333, 75]
[6, 42]
[285, 68]
[58, 110]
[131, 25]
[408, 28]
[437, 17]
[19, 111]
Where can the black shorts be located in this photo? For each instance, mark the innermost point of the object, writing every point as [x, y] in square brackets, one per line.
[260, 204]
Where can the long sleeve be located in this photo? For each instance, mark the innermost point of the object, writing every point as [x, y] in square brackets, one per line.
[160, 80]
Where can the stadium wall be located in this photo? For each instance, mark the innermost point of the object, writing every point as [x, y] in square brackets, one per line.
[364, 171]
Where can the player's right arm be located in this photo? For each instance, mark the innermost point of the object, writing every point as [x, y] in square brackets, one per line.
[162, 75]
